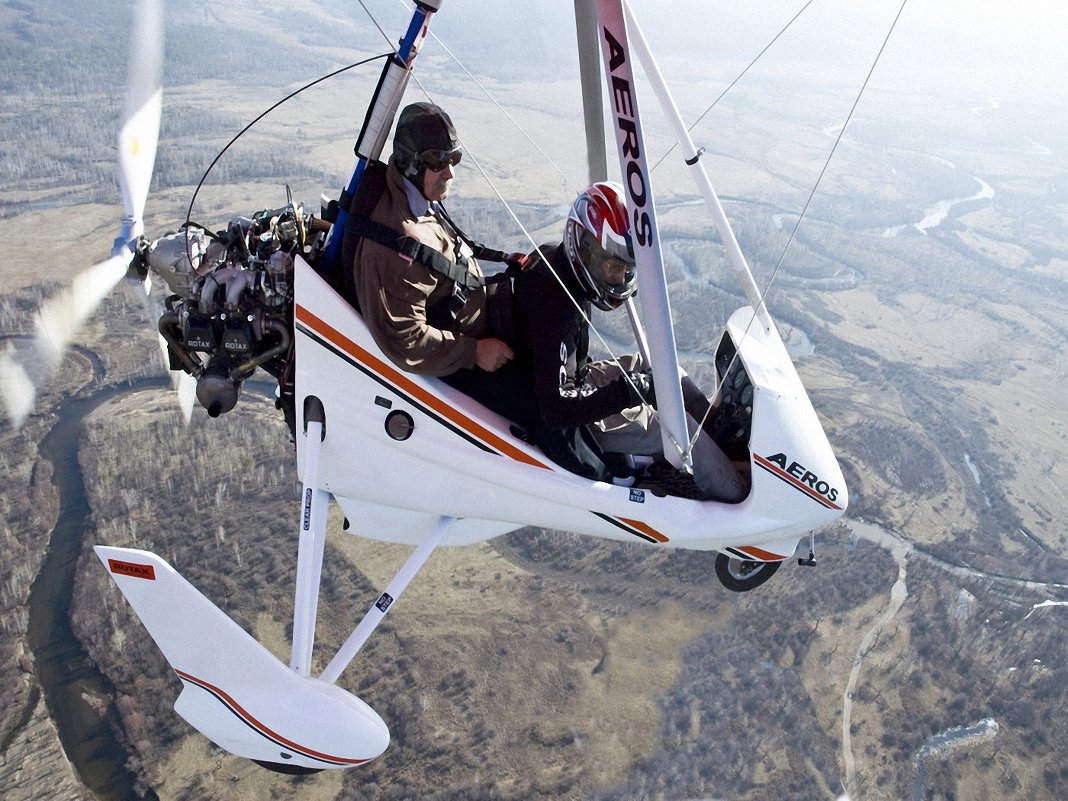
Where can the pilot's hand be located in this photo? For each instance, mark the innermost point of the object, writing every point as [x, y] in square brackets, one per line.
[520, 260]
[492, 354]
[641, 388]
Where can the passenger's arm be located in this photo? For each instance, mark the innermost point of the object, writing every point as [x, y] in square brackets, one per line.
[562, 400]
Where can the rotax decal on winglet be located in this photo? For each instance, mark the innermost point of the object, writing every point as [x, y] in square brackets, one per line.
[800, 478]
[132, 569]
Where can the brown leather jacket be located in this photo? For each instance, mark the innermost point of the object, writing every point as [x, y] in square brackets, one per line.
[404, 303]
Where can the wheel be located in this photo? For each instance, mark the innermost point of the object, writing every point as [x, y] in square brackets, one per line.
[742, 575]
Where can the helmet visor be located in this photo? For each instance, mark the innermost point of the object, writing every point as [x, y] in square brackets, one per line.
[612, 272]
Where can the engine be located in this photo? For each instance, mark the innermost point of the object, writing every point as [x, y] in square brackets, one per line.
[231, 307]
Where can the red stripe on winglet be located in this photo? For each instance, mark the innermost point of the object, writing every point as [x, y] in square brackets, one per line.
[266, 732]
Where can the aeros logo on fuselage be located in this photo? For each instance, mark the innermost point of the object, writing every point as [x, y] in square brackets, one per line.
[797, 474]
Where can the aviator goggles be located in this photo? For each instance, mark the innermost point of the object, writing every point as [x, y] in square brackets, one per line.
[437, 159]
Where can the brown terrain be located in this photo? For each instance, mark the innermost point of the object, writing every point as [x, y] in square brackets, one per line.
[919, 659]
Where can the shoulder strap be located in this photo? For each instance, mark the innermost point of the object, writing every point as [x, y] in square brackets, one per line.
[478, 250]
[360, 204]
[359, 225]
[414, 250]
[368, 191]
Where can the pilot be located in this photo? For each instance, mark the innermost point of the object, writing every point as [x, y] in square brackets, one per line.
[593, 412]
[426, 308]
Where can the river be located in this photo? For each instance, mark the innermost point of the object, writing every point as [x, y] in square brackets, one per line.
[78, 696]
[936, 214]
[944, 743]
[941, 745]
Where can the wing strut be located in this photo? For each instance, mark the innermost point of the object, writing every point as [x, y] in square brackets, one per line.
[314, 500]
[348, 650]
[692, 156]
[312, 542]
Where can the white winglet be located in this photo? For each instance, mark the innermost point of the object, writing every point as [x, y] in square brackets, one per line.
[236, 692]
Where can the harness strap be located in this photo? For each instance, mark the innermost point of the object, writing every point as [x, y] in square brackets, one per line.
[414, 250]
[478, 250]
[359, 225]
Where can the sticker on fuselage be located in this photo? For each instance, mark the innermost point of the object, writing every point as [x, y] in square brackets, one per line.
[800, 478]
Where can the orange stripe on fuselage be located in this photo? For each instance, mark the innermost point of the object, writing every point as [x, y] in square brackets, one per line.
[403, 382]
[646, 529]
[760, 554]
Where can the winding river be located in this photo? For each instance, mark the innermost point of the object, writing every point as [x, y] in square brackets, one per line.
[944, 743]
[78, 696]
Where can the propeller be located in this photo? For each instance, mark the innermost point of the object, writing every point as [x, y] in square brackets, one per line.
[183, 383]
[63, 315]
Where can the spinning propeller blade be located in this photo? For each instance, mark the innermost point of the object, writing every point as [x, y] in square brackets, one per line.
[139, 134]
[63, 315]
[183, 383]
[17, 388]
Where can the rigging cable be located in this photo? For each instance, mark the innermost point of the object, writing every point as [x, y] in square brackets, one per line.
[239, 134]
[812, 193]
[834, 147]
[504, 111]
[381, 31]
[730, 86]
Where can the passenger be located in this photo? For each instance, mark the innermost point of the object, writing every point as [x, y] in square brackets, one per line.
[591, 413]
[427, 309]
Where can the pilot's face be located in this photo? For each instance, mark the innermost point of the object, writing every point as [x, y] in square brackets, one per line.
[436, 183]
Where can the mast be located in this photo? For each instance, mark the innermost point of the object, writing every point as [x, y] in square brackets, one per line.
[380, 115]
[590, 80]
[652, 284]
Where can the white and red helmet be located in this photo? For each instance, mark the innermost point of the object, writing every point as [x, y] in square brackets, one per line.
[598, 245]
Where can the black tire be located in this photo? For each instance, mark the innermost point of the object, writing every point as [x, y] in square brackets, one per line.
[742, 575]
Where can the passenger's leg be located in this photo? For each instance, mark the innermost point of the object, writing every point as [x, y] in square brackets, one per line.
[714, 474]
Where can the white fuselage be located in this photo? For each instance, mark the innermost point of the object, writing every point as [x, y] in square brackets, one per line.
[459, 459]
